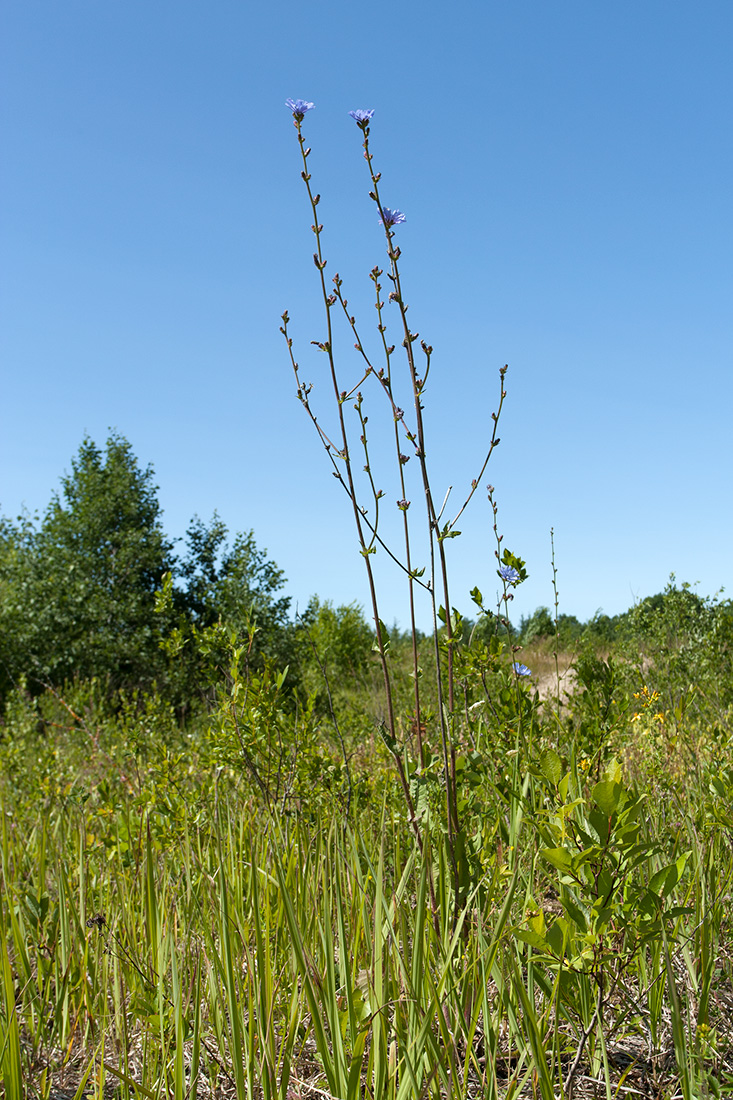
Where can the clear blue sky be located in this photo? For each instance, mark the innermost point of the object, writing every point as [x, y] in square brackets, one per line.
[565, 168]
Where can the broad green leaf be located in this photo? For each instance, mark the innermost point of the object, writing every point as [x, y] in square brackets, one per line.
[664, 881]
[613, 770]
[600, 823]
[604, 884]
[718, 787]
[537, 922]
[648, 904]
[602, 919]
[559, 936]
[575, 913]
[678, 911]
[382, 637]
[534, 939]
[551, 766]
[607, 796]
[559, 858]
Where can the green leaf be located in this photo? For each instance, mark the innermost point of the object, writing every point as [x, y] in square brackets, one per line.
[575, 913]
[678, 911]
[559, 858]
[383, 637]
[664, 881]
[537, 922]
[613, 770]
[389, 740]
[600, 823]
[164, 595]
[648, 904]
[534, 939]
[607, 796]
[604, 884]
[718, 787]
[558, 936]
[551, 766]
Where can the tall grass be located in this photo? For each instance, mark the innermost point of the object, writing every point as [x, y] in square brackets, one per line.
[224, 949]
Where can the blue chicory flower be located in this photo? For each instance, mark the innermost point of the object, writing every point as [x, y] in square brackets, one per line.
[362, 116]
[521, 670]
[391, 217]
[509, 573]
[299, 107]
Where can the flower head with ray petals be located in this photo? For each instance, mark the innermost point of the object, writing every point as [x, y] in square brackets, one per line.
[362, 117]
[299, 108]
[521, 670]
[509, 574]
[391, 217]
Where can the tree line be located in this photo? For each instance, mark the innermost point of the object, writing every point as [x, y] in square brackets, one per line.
[82, 587]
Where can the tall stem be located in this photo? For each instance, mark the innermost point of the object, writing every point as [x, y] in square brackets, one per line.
[445, 718]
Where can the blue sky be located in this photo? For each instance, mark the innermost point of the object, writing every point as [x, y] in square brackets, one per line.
[565, 169]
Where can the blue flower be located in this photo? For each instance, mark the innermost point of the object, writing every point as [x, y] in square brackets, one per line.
[299, 107]
[361, 116]
[391, 217]
[521, 670]
[509, 573]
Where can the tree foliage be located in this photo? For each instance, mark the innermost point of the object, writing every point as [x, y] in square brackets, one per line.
[338, 639]
[236, 583]
[78, 589]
